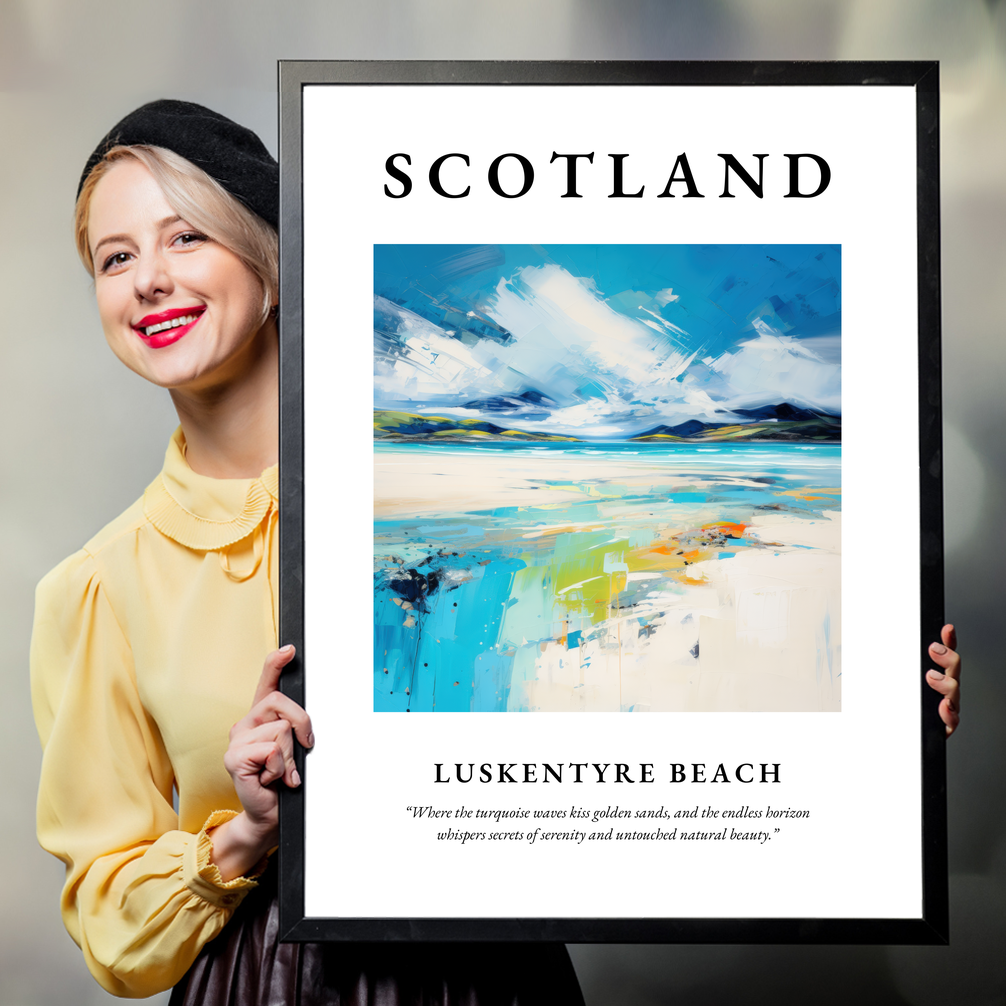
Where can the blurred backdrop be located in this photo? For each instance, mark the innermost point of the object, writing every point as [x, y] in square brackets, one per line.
[83, 437]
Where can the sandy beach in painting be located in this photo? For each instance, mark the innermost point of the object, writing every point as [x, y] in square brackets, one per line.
[653, 580]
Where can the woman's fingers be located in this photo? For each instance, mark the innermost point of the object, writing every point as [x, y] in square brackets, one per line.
[949, 688]
[270, 703]
[261, 749]
[944, 684]
[261, 761]
[277, 706]
[949, 710]
[278, 735]
[949, 636]
[946, 681]
[947, 658]
[274, 766]
[271, 671]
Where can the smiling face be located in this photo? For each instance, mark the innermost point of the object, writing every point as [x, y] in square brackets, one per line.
[177, 307]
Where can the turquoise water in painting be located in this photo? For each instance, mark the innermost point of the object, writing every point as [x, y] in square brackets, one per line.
[468, 598]
[780, 453]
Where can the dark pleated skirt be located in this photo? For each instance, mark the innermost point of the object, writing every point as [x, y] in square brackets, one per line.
[246, 965]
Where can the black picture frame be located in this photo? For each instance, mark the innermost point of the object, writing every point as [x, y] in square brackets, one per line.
[932, 925]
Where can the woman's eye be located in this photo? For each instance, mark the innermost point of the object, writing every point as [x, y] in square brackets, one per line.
[114, 261]
[190, 238]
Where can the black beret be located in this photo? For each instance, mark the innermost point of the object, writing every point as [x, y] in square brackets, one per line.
[230, 154]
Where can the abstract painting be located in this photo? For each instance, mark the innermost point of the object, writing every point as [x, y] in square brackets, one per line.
[607, 478]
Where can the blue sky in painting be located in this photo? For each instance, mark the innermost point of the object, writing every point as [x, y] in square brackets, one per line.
[606, 341]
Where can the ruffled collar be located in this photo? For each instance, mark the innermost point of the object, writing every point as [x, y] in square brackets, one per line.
[203, 513]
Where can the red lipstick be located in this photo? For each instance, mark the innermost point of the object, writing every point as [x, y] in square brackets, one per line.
[165, 333]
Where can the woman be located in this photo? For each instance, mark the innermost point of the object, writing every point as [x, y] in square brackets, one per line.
[148, 643]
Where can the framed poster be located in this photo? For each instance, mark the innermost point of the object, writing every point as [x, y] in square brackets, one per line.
[611, 501]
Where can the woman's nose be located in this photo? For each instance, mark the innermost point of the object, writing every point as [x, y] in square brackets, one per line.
[152, 277]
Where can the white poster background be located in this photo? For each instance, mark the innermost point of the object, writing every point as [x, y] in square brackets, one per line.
[858, 855]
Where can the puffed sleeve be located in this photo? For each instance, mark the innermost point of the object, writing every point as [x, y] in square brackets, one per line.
[141, 898]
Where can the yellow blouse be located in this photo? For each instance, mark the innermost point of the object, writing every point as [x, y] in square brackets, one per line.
[147, 647]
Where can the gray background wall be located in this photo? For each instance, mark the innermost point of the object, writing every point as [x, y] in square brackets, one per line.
[82, 436]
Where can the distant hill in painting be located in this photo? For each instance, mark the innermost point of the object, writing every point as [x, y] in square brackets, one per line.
[407, 426]
[771, 422]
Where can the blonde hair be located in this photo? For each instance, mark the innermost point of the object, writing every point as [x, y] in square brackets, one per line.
[199, 200]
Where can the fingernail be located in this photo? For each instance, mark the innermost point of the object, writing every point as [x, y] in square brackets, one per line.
[936, 675]
[295, 777]
[310, 740]
[938, 648]
[287, 649]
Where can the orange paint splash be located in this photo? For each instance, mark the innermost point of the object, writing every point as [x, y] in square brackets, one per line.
[727, 527]
[809, 493]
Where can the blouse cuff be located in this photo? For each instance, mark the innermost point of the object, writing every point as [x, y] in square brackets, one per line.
[202, 876]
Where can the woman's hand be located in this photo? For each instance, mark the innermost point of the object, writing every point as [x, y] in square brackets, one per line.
[260, 753]
[947, 682]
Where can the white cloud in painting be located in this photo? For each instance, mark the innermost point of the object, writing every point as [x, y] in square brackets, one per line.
[602, 372]
[617, 352]
[431, 361]
[827, 347]
[776, 368]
